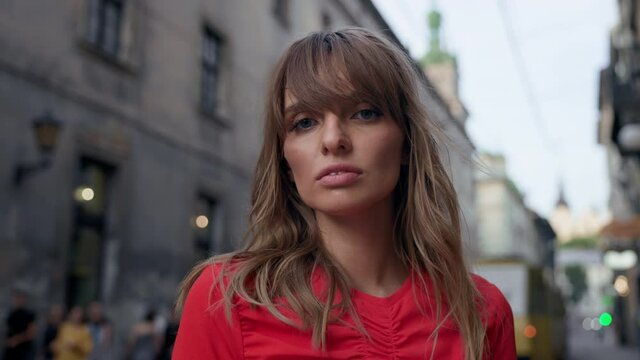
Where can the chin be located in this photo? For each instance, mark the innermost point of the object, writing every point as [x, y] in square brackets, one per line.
[340, 211]
[345, 207]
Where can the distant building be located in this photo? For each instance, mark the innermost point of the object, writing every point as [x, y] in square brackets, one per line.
[441, 68]
[442, 74]
[506, 226]
[547, 238]
[568, 226]
[561, 219]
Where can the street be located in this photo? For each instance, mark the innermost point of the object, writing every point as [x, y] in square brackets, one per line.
[587, 345]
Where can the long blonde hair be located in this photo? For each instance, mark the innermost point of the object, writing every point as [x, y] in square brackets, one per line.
[284, 243]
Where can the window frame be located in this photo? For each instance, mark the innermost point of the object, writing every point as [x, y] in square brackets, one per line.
[104, 34]
[210, 64]
[281, 10]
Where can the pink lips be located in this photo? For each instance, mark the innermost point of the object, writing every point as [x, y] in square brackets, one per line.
[339, 175]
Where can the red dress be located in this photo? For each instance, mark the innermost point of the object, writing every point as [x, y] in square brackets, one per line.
[396, 326]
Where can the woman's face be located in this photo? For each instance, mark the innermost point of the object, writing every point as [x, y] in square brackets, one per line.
[75, 315]
[343, 160]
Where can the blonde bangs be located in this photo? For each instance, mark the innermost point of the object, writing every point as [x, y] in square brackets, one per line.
[326, 69]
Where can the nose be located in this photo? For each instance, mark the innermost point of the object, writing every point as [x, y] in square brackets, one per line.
[335, 139]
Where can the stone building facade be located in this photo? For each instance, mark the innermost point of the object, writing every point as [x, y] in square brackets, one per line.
[160, 105]
[619, 133]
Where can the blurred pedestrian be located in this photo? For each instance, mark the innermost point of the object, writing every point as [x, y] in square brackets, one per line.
[144, 340]
[101, 332]
[21, 329]
[55, 316]
[169, 338]
[74, 339]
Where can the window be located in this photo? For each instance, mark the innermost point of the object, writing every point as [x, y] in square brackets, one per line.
[210, 71]
[105, 25]
[326, 21]
[205, 227]
[281, 12]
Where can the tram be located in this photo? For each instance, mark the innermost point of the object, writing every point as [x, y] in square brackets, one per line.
[537, 305]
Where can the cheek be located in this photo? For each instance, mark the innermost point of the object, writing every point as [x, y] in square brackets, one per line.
[295, 158]
[389, 158]
[388, 150]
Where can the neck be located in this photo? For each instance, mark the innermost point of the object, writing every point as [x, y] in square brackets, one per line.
[362, 244]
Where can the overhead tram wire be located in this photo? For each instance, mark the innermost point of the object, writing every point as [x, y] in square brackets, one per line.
[519, 60]
[411, 17]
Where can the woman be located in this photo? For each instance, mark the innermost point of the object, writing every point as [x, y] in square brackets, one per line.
[74, 339]
[169, 336]
[354, 246]
[101, 332]
[55, 317]
[143, 340]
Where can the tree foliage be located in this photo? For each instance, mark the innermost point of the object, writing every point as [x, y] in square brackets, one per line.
[590, 242]
[578, 279]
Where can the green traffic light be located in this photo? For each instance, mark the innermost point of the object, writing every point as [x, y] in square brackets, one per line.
[605, 319]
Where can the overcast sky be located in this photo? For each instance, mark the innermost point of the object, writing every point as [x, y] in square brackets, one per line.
[562, 46]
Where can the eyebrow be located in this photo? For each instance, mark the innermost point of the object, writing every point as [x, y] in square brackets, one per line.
[292, 109]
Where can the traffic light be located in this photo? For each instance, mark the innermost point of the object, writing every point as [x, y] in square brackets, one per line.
[605, 319]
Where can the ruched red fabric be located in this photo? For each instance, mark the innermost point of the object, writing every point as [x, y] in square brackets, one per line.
[396, 326]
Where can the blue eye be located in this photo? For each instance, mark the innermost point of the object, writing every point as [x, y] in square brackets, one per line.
[367, 114]
[303, 124]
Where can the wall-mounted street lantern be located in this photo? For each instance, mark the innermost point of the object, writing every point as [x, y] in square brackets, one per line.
[46, 128]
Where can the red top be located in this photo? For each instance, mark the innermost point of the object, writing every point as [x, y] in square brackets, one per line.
[396, 326]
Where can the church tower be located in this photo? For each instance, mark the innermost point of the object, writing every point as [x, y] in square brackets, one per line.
[561, 220]
[442, 69]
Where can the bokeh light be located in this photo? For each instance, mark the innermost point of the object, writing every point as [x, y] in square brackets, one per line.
[202, 221]
[83, 193]
[621, 285]
[530, 331]
[606, 319]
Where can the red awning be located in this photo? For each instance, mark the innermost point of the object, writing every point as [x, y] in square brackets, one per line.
[628, 229]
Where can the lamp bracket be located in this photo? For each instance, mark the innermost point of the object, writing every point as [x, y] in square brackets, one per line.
[23, 170]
